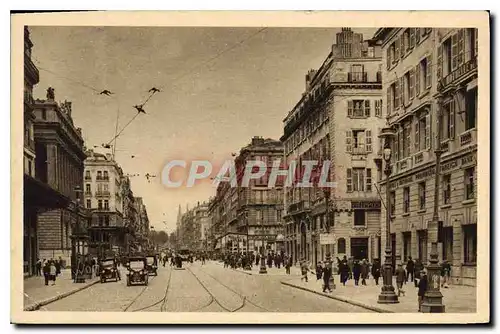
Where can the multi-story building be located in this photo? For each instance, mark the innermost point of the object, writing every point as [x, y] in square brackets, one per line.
[430, 80]
[130, 216]
[201, 223]
[256, 210]
[59, 166]
[337, 120]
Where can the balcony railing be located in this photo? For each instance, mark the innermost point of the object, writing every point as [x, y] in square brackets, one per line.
[299, 207]
[459, 72]
[102, 193]
[357, 77]
[359, 150]
[468, 137]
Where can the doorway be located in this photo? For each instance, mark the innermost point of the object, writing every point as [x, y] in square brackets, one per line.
[359, 248]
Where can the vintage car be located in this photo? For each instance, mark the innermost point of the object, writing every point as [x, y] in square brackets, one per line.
[137, 271]
[108, 269]
[152, 264]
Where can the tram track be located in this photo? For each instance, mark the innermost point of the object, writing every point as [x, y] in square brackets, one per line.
[144, 289]
[244, 299]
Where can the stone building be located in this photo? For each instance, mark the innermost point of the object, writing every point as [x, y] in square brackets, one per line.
[104, 197]
[142, 226]
[59, 166]
[337, 119]
[430, 80]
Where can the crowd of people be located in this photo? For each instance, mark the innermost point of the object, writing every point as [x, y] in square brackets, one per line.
[49, 268]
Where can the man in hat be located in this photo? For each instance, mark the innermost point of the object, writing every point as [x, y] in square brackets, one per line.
[422, 288]
[304, 269]
[327, 273]
[400, 278]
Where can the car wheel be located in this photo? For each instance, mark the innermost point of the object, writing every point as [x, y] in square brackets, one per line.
[128, 281]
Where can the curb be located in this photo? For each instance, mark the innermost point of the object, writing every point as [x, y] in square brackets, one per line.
[342, 299]
[37, 305]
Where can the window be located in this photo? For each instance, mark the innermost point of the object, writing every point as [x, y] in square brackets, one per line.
[106, 221]
[405, 139]
[412, 38]
[106, 176]
[392, 198]
[369, 179]
[357, 74]
[355, 108]
[446, 189]
[390, 55]
[448, 121]
[391, 95]
[349, 180]
[89, 204]
[421, 195]
[406, 199]
[446, 57]
[422, 132]
[470, 109]
[106, 188]
[469, 183]
[99, 204]
[341, 246]
[470, 243]
[359, 217]
[378, 108]
[406, 89]
[412, 84]
[472, 42]
[358, 178]
[358, 140]
[99, 175]
[87, 175]
[406, 42]
[87, 188]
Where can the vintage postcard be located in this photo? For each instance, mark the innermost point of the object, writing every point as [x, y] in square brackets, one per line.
[250, 167]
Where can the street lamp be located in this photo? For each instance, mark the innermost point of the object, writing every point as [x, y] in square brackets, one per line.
[77, 243]
[248, 265]
[387, 295]
[433, 298]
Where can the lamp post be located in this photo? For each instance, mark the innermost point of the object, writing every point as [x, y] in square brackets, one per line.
[433, 298]
[79, 276]
[263, 269]
[248, 265]
[387, 295]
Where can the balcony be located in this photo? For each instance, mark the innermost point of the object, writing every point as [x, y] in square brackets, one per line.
[88, 178]
[459, 73]
[359, 151]
[102, 193]
[102, 178]
[467, 138]
[298, 207]
[404, 164]
[357, 77]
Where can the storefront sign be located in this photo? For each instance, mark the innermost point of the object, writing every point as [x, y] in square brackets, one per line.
[326, 238]
[469, 159]
[265, 237]
[449, 165]
[425, 174]
[365, 205]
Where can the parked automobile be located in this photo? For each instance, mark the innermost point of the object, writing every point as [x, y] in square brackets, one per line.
[137, 271]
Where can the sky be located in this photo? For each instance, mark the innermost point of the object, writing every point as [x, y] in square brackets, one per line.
[219, 88]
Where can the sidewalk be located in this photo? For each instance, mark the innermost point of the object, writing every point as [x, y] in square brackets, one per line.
[457, 298]
[37, 294]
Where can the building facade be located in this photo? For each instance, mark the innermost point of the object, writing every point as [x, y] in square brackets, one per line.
[104, 197]
[337, 120]
[430, 84]
[59, 149]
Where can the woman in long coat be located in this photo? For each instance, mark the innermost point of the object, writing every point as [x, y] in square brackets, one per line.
[365, 270]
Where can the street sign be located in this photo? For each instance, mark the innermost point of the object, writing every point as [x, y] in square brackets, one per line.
[326, 238]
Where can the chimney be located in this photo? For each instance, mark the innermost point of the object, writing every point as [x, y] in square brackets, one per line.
[108, 156]
[257, 140]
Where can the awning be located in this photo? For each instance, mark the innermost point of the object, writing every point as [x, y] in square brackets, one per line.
[39, 194]
[471, 85]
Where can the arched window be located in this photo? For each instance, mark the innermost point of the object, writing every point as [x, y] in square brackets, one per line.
[341, 246]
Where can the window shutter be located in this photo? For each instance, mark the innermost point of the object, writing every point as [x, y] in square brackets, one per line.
[461, 47]
[396, 94]
[412, 37]
[349, 108]
[396, 49]
[378, 108]
[428, 131]
[367, 108]
[412, 84]
[389, 97]
[388, 57]
[452, 119]
[401, 144]
[402, 46]
[417, 35]
[349, 180]
[454, 51]
[417, 79]
[348, 140]
[368, 135]
[428, 73]
[401, 91]
[368, 179]
[417, 138]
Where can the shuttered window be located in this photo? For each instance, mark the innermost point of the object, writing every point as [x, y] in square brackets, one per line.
[428, 71]
[348, 140]
[368, 135]
[378, 108]
[367, 108]
[396, 49]
[396, 95]
[389, 99]
[417, 35]
[417, 134]
[461, 47]
[349, 180]
[454, 51]
[369, 179]
[428, 131]
[417, 79]
[412, 84]
[349, 108]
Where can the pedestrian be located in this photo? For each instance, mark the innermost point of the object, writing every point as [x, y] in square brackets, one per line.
[376, 270]
[57, 264]
[344, 270]
[52, 271]
[410, 268]
[288, 265]
[304, 269]
[38, 267]
[418, 267]
[350, 264]
[46, 271]
[422, 288]
[327, 273]
[356, 271]
[400, 279]
[445, 273]
[365, 271]
[257, 259]
[319, 271]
